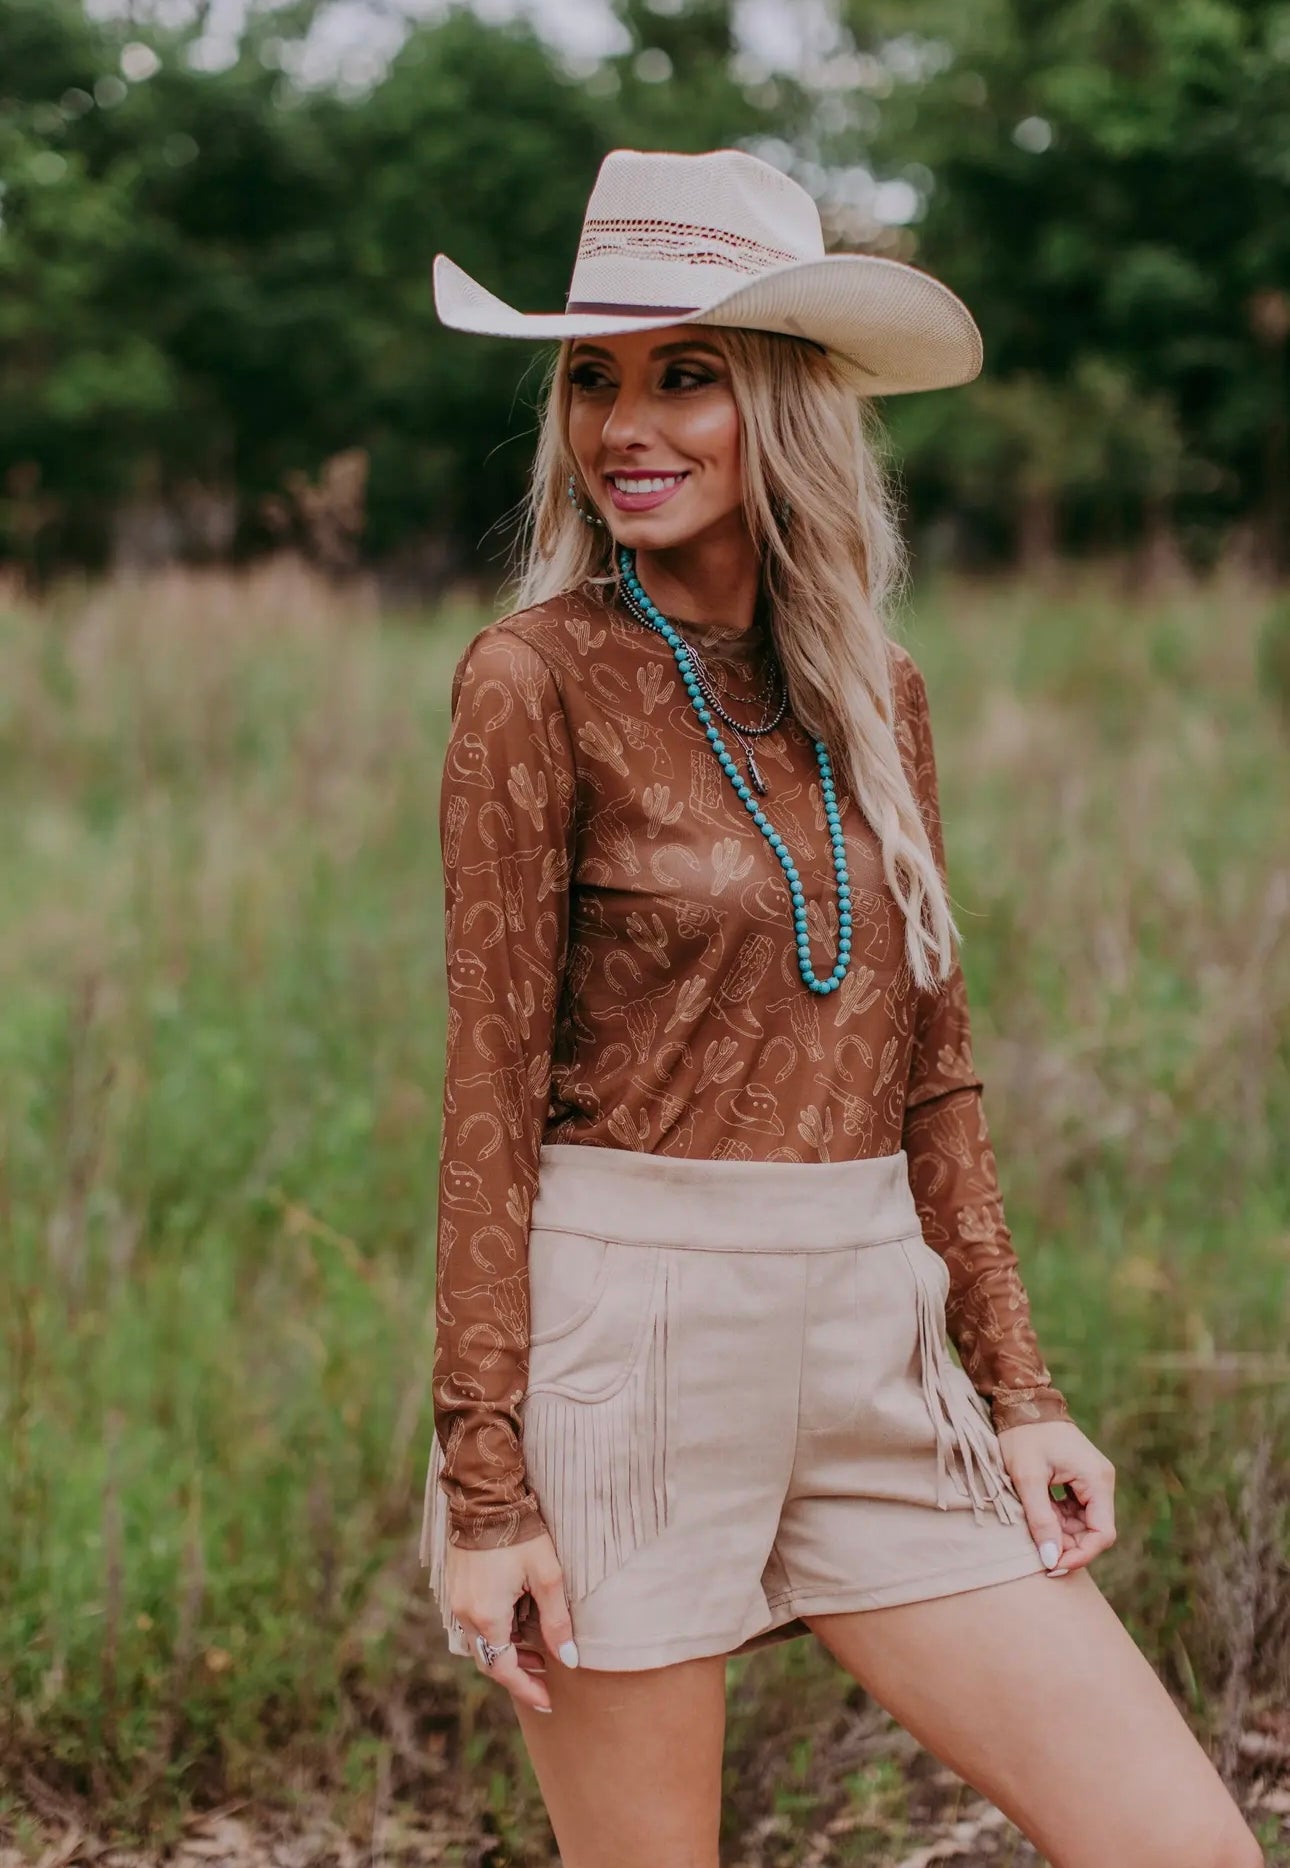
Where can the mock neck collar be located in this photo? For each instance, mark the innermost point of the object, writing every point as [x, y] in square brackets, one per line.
[744, 647]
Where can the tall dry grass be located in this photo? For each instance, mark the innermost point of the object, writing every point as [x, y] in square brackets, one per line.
[221, 1022]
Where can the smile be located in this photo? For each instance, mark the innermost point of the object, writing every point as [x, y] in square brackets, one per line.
[638, 492]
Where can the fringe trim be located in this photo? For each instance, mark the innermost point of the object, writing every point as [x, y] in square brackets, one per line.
[600, 1468]
[434, 1520]
[967, 1450]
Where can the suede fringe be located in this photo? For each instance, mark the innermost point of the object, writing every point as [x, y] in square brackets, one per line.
[967, 1450]
[600, 1468]
[434, 1522]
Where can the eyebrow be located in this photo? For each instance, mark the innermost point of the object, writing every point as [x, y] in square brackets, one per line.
[583, 348]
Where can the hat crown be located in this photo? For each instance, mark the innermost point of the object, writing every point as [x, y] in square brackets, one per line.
[666, 231]
[722, 238]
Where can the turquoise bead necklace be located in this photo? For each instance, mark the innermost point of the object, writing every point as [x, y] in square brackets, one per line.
[647, 613]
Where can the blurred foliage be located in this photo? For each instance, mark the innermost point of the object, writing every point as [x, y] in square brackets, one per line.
[221, 1056]
[1106, 182]
[1274, 656]
[212, 282]
[214, 278]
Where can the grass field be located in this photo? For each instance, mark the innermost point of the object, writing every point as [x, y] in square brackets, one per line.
[221, 1020]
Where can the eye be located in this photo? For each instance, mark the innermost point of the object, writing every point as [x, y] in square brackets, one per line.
[698, 378]
[585, 376]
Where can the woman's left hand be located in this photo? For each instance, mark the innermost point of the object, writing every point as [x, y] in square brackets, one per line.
[1042, 1453]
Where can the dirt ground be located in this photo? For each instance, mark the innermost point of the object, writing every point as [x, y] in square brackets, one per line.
[952, 1824]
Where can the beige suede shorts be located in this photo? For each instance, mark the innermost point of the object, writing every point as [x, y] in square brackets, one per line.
[742, 1407]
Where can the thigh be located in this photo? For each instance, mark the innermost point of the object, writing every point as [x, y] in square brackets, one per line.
[1035, 1693]
[629, 1764]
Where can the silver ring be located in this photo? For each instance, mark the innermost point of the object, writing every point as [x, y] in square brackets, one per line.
[487, 1652]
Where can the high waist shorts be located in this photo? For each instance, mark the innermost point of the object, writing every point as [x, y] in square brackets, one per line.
[741, 1406]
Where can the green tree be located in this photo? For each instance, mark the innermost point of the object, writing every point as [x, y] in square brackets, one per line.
[214, 282]
[1109, 179]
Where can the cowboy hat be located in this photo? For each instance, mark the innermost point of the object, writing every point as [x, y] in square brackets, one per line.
[724, 238]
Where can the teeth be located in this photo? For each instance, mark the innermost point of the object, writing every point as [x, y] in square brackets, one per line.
[645, 486]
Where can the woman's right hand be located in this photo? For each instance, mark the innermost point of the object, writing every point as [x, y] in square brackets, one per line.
[483, 1587]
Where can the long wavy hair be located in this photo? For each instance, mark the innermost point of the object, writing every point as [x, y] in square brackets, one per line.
[818, 507]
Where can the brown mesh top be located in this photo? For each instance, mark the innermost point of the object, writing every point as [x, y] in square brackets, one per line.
[622, 973]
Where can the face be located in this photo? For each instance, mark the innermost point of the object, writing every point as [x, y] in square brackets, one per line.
[656, 406]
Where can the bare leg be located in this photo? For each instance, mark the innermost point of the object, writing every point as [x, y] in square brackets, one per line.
[629, 1764]
[1037, 1695]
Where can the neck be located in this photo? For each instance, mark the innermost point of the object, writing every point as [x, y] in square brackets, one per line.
[711, 581]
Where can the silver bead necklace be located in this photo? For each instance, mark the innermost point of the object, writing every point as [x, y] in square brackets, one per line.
[741, 730]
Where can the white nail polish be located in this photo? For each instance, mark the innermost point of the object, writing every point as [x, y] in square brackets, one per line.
[1059, 1572]
[543, 1709]
[569, 1653]
[1048, 1554]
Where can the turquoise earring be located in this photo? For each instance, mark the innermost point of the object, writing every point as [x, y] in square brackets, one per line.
[590, 518]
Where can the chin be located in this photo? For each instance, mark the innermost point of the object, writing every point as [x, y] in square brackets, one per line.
[656, 537]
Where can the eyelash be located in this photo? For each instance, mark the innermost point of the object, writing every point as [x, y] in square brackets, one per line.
[582, 377]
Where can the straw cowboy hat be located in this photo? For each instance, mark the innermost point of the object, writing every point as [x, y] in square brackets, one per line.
[723, 238]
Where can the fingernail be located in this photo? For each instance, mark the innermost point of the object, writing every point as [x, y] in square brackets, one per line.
[569, 1653]
[543, 1709]
[1049, 1553]
[1059, 1572]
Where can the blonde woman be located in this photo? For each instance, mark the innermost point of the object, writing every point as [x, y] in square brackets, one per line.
[716, 1187]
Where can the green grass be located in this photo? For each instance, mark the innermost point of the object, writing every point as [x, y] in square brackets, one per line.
[221, 1023]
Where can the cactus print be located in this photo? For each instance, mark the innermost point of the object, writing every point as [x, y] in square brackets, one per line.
[622, 973]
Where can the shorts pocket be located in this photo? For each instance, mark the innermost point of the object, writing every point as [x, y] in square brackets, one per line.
[935, 1266]
[599, 1414]
[589, 1310]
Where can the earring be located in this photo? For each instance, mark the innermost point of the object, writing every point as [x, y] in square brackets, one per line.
[590, 518]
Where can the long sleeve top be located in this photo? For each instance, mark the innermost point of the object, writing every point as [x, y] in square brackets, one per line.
[622, 973]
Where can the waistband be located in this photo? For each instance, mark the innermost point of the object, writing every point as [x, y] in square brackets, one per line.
[726, 1204]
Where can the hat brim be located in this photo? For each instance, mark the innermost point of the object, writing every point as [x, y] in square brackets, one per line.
[891, 327]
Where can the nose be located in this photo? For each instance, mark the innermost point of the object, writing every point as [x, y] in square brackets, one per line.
[627, 425]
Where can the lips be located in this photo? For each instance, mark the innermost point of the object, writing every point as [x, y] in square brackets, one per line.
[643, 502]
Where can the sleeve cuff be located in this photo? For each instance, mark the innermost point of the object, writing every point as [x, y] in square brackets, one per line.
[1016, 1407]
[513, 1526]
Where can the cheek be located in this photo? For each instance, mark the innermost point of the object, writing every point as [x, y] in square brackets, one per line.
[711, 434]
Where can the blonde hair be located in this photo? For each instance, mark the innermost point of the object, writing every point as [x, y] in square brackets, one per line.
[830, 571]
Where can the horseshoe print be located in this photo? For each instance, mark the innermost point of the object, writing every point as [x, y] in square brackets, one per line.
[622, 973]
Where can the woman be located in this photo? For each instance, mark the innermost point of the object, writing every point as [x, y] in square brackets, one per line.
[715, 1177]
